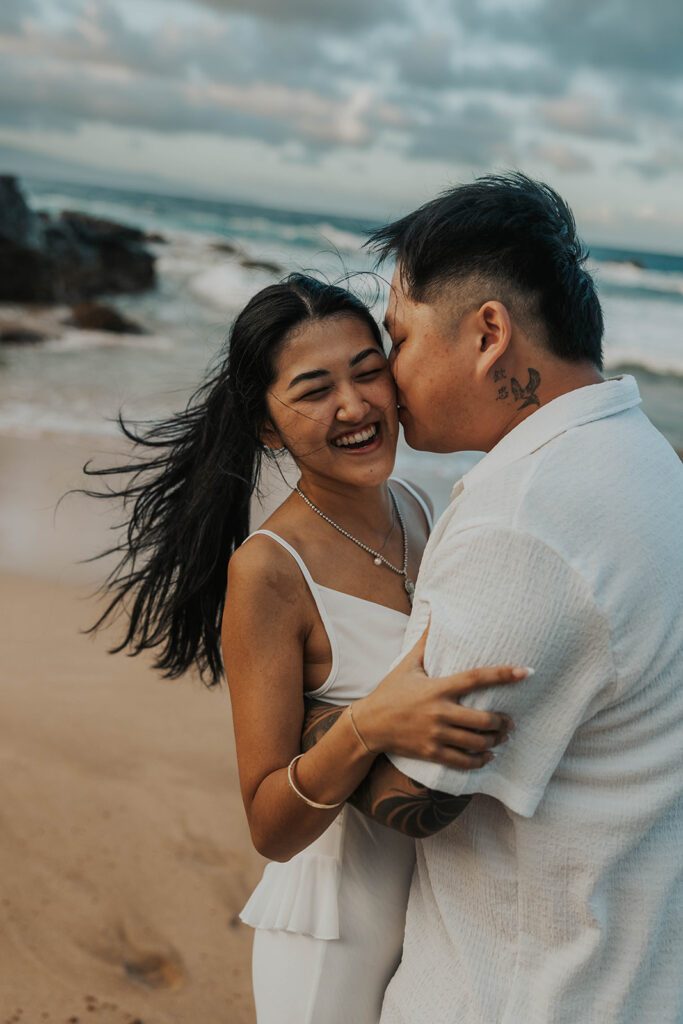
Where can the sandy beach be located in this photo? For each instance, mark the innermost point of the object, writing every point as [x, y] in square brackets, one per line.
[125, 856]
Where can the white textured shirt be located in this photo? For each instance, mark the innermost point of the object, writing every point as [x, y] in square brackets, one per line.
[556, 896]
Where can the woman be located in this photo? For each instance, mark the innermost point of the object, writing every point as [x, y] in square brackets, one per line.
[316, 606]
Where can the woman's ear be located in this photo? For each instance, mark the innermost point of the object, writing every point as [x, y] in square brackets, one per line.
[270, 437]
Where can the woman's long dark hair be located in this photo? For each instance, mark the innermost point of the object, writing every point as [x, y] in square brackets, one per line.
[189, 498]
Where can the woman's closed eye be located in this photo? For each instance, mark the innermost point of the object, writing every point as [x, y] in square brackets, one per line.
[317, 393]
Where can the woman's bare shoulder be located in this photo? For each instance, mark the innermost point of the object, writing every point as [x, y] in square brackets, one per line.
[260, 565]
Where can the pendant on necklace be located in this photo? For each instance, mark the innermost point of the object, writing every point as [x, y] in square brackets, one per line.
[377, 561]
[410, 588]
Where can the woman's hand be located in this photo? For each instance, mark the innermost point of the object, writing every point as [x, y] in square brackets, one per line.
[415, 716]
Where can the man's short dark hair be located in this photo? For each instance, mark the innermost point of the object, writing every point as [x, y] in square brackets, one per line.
[508, 231]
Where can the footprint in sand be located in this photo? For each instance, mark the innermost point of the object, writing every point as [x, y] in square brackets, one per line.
[146, 958]
[154, 970]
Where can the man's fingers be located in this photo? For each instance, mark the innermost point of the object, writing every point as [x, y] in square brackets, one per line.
[461, 683]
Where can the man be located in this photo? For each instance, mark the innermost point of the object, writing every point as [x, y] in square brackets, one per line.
[554, 893]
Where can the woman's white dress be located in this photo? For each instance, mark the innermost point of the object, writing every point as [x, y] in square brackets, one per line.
[329, 922]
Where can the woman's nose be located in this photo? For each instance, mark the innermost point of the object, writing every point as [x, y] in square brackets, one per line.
[352, 406]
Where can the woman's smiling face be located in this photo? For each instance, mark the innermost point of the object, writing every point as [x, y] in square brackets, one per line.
[333, 402]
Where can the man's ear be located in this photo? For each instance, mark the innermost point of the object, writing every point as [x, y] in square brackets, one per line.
[270, 437]
[495, 333]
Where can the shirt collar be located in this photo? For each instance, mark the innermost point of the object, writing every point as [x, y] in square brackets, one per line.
[573, 409]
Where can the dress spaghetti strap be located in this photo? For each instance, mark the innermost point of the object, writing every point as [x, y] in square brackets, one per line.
[317, 597]
[419, 499]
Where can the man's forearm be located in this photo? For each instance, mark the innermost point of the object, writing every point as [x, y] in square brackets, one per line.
[387, 795]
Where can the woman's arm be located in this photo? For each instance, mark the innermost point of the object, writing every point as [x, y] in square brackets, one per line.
[267, 617]
[392, 718]
[387, 795]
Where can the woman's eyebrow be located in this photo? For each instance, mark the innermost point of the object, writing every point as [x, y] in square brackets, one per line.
[315, 374]
[309, 375]
[364, 354]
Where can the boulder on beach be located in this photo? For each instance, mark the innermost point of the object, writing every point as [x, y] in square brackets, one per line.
[226, 247]
[18, 335]
[67, 258]
[97, 316]
[272, 268]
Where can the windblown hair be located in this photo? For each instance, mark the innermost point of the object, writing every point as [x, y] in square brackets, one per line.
[187, 493]
[511, 232]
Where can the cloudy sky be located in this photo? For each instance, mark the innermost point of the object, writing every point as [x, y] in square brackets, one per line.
[358, 106]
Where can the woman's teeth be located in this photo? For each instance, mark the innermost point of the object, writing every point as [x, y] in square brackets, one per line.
[359, 438]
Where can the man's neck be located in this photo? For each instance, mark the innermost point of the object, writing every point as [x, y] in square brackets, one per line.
[544, 383]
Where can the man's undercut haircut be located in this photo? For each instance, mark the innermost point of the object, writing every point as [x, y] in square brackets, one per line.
[514, 232]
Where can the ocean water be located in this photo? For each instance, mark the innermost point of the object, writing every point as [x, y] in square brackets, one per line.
[76, 383]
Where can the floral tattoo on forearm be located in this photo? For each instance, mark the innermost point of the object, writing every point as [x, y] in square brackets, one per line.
[385, 794]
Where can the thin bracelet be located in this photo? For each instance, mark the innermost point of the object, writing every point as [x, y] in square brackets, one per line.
[355, 729]
[311, 803]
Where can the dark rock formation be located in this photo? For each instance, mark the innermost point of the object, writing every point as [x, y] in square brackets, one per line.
[226, 247]
[67, 258]
[96, 316]
[20, 336]
[273, 268]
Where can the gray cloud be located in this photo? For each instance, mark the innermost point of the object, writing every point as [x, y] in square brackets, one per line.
[656, 99]
[13, 13]
[476, 134]
[658, 165]
[348, 15]
[439, 61]
[270, 115]
[562, 158]
[426, 60]
[317, 74]
[232, 51]
[626, 35]
[582, 115]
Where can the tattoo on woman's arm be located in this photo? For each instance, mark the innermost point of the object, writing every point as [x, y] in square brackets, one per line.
[387, 795]
[318, 719]
[390, 798]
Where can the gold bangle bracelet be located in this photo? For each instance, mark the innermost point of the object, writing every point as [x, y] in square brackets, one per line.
[311, 803]
[355, 729]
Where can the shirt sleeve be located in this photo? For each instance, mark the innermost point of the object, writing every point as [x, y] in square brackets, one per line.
[498, 597]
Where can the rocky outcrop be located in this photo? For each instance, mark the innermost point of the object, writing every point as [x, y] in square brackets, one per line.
[272, 268]
[97, 316]
[18, 335]
[68, 258]
[226, 247]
